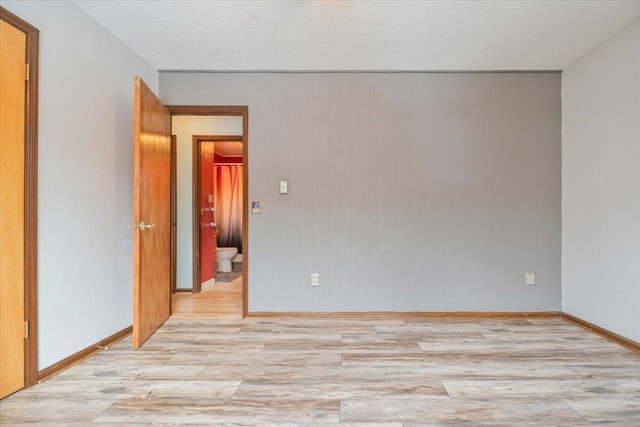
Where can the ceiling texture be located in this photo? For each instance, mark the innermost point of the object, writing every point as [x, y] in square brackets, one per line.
[324, 35]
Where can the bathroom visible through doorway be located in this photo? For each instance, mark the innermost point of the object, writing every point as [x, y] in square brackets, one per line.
[211, 193]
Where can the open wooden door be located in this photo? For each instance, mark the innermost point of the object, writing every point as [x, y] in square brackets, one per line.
[152, 214]
[207, 214]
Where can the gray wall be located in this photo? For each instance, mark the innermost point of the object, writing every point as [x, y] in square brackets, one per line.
[407, 191]
[601, 181]
[85, 178]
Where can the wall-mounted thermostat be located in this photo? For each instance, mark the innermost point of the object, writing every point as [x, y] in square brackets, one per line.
[284, 187]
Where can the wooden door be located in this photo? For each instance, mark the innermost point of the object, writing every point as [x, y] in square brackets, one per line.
[12, 202]
[207, 215]
[152, 214]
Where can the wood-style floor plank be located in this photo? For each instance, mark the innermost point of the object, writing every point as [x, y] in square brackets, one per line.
[344, 372]
[216, 300]
[475, 412]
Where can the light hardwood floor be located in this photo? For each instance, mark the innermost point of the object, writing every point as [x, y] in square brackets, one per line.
[394, 372]
[215, 300]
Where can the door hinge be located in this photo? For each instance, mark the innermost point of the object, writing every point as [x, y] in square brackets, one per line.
[26, 329]
[26, 72]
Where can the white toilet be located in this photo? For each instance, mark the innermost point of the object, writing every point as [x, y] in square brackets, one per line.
[224, 256]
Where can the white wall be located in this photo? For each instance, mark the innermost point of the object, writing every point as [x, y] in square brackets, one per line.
[601, 185]
[184, 127]
[85, 177]
[407, 191]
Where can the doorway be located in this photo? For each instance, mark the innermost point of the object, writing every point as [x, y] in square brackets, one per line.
[18, 206]
[217, 299]
[218, 204]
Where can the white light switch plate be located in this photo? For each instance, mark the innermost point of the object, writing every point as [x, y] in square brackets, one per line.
[284, 187]
[315, 279]
[529, 279]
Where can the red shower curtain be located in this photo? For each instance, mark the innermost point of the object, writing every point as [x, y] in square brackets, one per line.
[229, 205]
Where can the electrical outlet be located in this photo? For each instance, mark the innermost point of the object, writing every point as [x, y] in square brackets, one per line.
[529, 279]
[315, 279]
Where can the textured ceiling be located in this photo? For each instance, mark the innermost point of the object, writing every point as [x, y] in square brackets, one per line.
[362, 35]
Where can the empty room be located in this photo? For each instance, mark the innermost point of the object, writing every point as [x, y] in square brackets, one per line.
[399, 213]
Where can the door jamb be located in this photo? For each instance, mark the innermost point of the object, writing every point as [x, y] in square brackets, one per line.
[30, 196]
[243, 111]
[174, 214]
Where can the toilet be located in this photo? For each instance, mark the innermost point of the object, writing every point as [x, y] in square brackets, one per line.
[224, 256]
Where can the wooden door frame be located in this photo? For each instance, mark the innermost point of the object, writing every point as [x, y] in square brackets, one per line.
[174, 214]
[195, 180]
[30, 196]
[242, 111]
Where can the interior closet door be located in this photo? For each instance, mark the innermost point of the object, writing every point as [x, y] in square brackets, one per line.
[12, 201]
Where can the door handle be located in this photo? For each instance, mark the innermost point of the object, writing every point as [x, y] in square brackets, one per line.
[142, 226]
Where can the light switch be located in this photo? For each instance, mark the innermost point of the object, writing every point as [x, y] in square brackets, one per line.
[210, 198]
[284, 187]
[315, 279]
[529, 279]
[255, 208]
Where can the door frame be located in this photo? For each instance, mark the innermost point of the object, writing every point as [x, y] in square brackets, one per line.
[195, 180]
[30, 196]
[174, 214]
[242, 111]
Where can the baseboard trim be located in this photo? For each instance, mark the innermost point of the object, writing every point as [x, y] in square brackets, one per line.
[604, 333]
[407, 314]
[75, 358]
